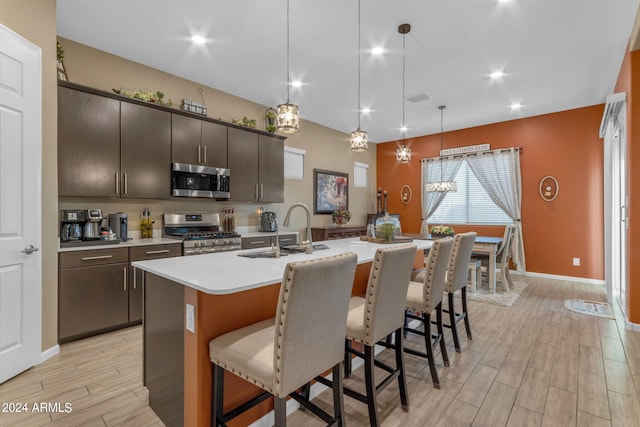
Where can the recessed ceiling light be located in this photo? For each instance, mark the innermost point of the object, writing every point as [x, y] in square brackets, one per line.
[516, 106]
[366, 110]
[504, 1]
[296, 83]
[497, 74]
[403, 129]
[378, 50]
[198, 39]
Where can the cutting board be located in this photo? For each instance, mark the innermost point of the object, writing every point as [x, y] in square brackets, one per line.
[378, 240]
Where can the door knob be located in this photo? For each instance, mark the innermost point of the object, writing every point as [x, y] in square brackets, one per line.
[30, 249]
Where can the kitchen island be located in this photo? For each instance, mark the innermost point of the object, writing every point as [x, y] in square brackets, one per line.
[191, 300]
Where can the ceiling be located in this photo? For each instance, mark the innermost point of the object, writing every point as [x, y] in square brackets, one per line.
[556, 55]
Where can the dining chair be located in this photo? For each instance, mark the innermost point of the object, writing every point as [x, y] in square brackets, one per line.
[375, 316]
[304, 340]
[457, 275]
[503, 258]
[426, 296]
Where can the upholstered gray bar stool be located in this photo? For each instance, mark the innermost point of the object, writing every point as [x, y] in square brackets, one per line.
[378, 314]
[304, 340]
[426, 296]
[457, 275]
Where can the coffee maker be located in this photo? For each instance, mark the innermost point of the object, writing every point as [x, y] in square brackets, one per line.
[118, 222]
[268, 222]
[92, 224]
[71, 224]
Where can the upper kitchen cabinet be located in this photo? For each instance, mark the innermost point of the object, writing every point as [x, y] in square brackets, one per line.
[88, 144]
[108, 147]
[145, 152]
[198, 142]
[256, 164]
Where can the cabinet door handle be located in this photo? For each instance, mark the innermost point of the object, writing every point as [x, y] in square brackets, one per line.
[257, 242]
[161, 251]
[124, 276]
[89, 258]
[117, 183]
[126, 187]
[204, 150]
[257, 198]
[199, 157]
[134, 277]
[261, 191]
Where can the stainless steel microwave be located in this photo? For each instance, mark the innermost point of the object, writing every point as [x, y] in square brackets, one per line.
[199, 181]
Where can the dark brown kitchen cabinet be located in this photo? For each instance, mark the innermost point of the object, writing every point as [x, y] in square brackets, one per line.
[268, 240]
[143, 253]
[331, 232]
[88, 144]
[198, 142]
[256, 163]
[93, 293]
[145, 152]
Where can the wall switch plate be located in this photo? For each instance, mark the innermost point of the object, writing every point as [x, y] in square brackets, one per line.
[191, 318]
[576, 261]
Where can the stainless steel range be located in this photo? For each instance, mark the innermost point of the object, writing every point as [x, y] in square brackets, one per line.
[200, 233]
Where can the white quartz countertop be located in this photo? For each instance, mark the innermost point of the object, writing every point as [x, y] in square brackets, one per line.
[226, 272]
[127, 244]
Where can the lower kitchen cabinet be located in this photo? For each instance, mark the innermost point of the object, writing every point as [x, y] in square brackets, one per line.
[267, 240]
[97, 290]
[332, 232]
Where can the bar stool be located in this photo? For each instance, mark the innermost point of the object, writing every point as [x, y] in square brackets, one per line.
[305, 339]
[425, 297]
[457, 275]
[377, 315]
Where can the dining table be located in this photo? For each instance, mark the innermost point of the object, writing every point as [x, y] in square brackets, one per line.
[483, 244]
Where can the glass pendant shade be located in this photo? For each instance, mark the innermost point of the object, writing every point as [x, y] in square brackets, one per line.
[441, 187]
[359, 140]
[287, 119]
[403, 154]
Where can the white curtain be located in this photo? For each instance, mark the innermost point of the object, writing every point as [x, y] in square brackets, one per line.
[498, 172]
[436, 169]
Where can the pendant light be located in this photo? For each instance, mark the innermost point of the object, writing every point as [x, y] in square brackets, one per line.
[441, 186]
[403, 154]
[359, 137]
[287, 114]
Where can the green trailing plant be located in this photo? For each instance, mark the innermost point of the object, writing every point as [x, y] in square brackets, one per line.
[143, 95]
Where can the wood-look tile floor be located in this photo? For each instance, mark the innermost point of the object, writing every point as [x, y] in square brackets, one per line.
[532, 364]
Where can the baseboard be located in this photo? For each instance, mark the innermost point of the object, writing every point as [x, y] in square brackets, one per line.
[558, 277]
[49, 353]
[317, 388]
[631, 326]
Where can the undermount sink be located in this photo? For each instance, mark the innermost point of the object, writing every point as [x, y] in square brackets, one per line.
[284, 251]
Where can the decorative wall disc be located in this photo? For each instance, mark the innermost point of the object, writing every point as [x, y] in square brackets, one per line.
[406, 194]
[549, 188]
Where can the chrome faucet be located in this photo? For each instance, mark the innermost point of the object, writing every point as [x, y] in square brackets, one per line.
[306, 244]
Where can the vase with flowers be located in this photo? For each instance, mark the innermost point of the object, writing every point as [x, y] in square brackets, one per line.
[341, 216]
[441, 231]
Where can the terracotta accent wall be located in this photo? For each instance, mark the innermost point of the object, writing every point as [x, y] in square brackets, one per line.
[35, 20]
[565, 145]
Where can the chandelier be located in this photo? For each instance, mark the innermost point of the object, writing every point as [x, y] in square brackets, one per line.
[359, 137]
[287, 114]
[441, 186]
[403, 153]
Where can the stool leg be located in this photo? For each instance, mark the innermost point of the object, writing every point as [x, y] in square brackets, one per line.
[402, 380]
[426, 320]
[338, 395]
[370, 386]
[280, 411]
[465, 312]
[440, 330]
[452, 321]
[347, 358]
[217, 394]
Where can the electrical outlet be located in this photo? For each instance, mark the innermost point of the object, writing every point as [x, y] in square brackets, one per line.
[576, 261]
[191, 318]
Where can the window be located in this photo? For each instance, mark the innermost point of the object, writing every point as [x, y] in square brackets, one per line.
[293, 163]
[470, 204]
[360, 174]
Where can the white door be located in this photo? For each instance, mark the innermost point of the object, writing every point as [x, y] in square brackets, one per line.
[20, 193]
